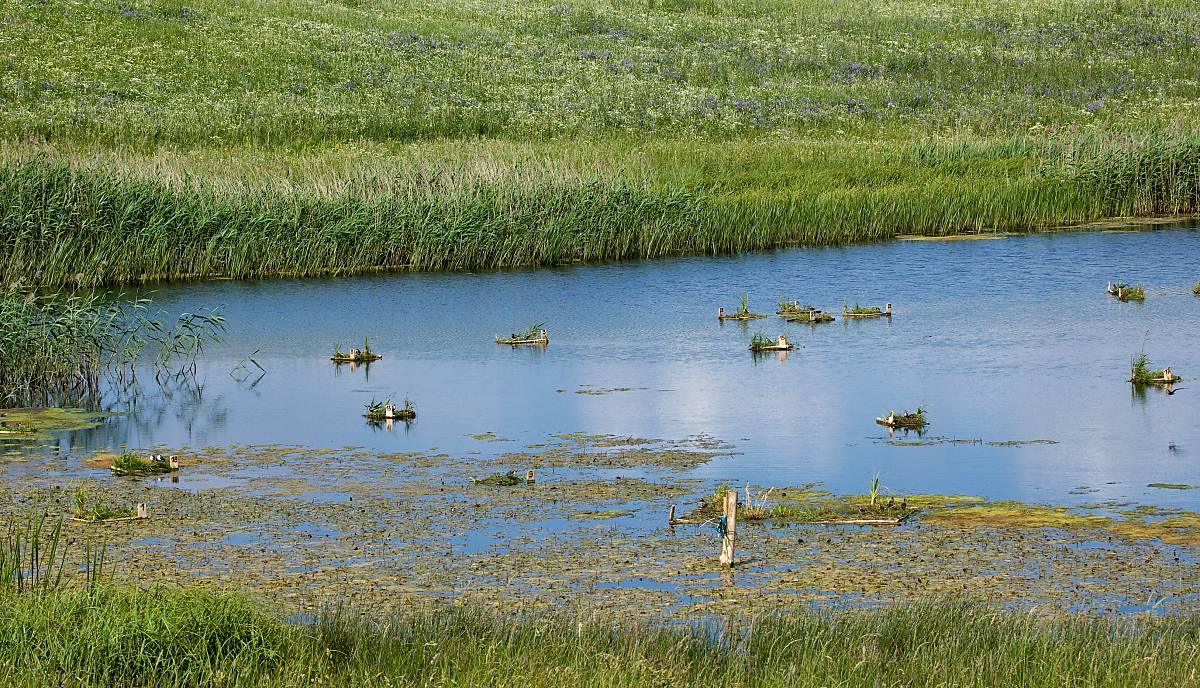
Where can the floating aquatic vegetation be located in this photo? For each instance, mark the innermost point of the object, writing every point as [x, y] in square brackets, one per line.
[1196, 288]
[914, 420]
[535, 334]
[1174, 486]
[363, 355]
[1140, 373]
[130, 464]
[1126, 292]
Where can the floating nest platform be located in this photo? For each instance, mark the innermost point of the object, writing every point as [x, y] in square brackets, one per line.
[524, 341]
[139, 513]
[740, 314]
[864, 521]
[136, 466]
[872, 312]
[509, 479]
[364, 357]
[1157, 380]
[810, 317]
[904, 420]
[762, 344]
[398, 414]
[1126, 292]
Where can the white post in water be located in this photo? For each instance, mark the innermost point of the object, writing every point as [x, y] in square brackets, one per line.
[731, 500]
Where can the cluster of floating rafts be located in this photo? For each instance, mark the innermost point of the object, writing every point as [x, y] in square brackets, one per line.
[793, 312]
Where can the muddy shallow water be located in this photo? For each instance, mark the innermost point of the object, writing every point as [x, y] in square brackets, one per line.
[1010, 344]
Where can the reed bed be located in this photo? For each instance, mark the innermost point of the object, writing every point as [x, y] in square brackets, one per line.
[56, 348]
[80, 220]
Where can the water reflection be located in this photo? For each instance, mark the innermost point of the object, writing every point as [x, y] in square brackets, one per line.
[1047, 360]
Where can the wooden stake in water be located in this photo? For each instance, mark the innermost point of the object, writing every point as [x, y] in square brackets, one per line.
[729, 531]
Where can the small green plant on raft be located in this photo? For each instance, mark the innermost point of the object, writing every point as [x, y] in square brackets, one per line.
[134, 465]
[95, 510]
[1126, 292]
[1141, 374]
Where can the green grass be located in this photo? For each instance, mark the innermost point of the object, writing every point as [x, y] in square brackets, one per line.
[337, 137]
[169, 636]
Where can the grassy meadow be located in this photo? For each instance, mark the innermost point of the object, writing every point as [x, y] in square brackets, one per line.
[163, 140]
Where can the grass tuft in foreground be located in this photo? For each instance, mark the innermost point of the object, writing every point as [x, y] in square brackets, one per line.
[167, 636]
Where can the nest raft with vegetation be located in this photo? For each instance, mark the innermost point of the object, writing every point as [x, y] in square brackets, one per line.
[794, 312]
[96, 511]
[1125, 292]
[806, 506]
[1196, 289]
[508, 479]
[363, 355]
[742, 313]
[535, 335]
[916, 419]
[1141, 374]
[386, 410]
[866, 311]
[129, 464]
[762, 343]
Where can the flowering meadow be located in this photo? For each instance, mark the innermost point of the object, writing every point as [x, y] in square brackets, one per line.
[472, 134]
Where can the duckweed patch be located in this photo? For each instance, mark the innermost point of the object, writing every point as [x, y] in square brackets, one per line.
[408, 526]
[42, 423]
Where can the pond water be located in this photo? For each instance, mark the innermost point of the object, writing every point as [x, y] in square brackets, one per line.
[1000, 340]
